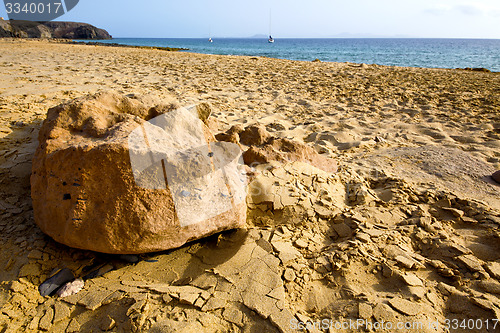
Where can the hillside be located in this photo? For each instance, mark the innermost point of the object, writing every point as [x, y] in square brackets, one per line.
[69, 30]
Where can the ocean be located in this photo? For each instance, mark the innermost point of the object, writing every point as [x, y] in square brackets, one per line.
[431, 53]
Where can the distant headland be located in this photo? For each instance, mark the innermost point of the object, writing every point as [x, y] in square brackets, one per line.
[65, 30]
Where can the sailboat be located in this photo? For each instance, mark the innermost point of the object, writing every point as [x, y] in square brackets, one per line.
[210, 40]
[270, 39]
[210, 35]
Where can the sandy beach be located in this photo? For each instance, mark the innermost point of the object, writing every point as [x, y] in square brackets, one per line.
[416, 241]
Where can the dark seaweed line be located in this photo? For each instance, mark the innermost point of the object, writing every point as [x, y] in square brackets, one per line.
[124, 45]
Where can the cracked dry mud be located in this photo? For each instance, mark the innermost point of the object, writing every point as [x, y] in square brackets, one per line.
[406, 230]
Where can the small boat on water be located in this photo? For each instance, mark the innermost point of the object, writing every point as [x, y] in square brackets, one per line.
[210, 34]
[270, 39]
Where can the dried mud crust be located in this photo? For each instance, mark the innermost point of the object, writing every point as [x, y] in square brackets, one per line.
[438, 167]
[396, 239]
[392, 245]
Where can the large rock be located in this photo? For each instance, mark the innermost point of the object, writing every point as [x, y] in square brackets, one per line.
[76, 30]
[127, 174]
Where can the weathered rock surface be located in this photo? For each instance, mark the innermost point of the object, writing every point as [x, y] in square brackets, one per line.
[69, 30]
[91, 192]
[404, 306]
[263, 148]
[254, 135]
[285, 150]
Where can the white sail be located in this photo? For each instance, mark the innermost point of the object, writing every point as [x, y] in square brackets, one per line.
[270, 39]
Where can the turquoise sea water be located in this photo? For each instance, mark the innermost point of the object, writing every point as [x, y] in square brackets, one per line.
[440, 53]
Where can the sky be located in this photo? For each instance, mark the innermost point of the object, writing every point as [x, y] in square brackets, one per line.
[291, 18]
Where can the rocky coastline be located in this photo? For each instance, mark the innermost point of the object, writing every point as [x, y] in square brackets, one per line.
[65, 30]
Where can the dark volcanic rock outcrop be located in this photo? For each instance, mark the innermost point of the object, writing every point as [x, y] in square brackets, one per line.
[69, 30]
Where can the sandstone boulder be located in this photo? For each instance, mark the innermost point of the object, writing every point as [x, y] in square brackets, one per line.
[127, 174]
[264, 148]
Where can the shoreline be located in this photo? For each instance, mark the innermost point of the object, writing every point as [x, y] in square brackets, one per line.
[467, 67]
[175, 49]
[90, 42]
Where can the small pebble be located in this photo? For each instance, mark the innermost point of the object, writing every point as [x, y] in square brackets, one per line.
[71, 288]
[289, 275]
[55, 281]
[107, 324]
[301, 243]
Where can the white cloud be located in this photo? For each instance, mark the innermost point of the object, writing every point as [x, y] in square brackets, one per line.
[464, 9]
[438, 10]
[470, 10]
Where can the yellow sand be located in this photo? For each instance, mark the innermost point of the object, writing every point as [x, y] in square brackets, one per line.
[396, 133]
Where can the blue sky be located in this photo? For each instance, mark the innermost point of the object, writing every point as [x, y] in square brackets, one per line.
[312, 18]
